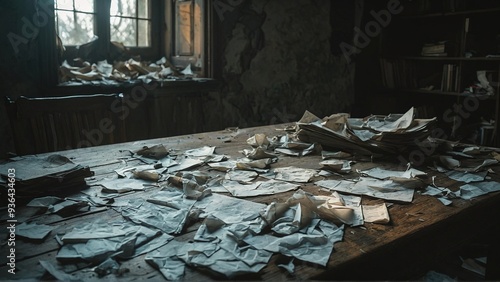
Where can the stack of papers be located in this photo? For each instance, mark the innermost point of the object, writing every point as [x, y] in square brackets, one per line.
[36, 176]
[372, 135]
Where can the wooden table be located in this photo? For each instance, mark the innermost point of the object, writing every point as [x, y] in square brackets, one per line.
[419, 233]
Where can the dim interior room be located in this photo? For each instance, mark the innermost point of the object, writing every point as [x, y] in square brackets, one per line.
[252, 135]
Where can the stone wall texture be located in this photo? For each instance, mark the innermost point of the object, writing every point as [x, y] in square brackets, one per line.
[278, 63]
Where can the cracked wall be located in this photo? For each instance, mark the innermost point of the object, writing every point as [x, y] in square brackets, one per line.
[277, 64]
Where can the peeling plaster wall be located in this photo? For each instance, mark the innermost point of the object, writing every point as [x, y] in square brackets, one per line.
[277, 64]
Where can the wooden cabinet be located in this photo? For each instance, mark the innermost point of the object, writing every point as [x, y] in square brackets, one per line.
[445, 56]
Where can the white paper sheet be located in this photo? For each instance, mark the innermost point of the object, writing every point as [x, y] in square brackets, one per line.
[294, 174]
[33, 231]
[376, 213]
[470, 191]
[466, 176]
[270, 187]
[383, 189]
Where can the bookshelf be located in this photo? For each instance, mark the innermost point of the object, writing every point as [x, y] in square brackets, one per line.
[445, 55]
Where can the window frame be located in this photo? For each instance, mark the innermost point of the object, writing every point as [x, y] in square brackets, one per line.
[162, 34]
[206, 37]
[102, 29]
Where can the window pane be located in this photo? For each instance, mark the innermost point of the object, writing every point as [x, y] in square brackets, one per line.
[64, 4]
[144, 32]
[123, 30]
[84, 5]
[184, 30]
[123, 8]
[143, 7]
[75, 28]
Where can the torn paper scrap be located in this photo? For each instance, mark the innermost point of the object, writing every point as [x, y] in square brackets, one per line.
[331, 208]
[224, 257]
[123, 185]
[98, 241]
[257, 154]
[487, 162]
[294, 174]
[381, 173]
[242, 176]
[150, 175]
[200, 152]
[335, 155]
[270, 187]
[167, 162]
[383, 189]
[432, 191]
[68, 206]
[60, 275]
[171, 267]
[297, 149]
[215, 185]
[314, 248]
[33, 231]
[449, 162]
[466, 176]
[290, 267]
[185, 163]
[340, 166]
[228, 209]
[171, 197]
[44, 202]
[259, 140]
[470, 191]
[97, 230]
[127, 171]
[259, 165]
[297, 217]
[167, 219]
[445, 201]
[156, 152]
[193, 190]
[152, 245]
[376, 213]
[107, 267]
[224, 165]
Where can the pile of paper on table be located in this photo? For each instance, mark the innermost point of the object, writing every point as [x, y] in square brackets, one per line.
[374, 135]
[33, 176]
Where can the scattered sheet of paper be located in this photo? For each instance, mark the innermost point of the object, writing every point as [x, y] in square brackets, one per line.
[470, 191]
[185, 163]
[60, 275]
[294, 174]
[167, 219]
[201, 152]
[383, 189]
[466, 177]
[228, 209]
[33, 231]
[123, 185]
[314, 248]
[376, 213]
[244, 176]
[270, 187]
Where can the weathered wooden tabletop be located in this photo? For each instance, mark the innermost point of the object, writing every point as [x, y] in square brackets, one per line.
[419, 232]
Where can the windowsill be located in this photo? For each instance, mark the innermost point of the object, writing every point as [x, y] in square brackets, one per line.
[111, 86]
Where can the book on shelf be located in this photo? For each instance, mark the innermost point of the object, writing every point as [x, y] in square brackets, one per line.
[450, 78]
[437, 49]
[398, 74]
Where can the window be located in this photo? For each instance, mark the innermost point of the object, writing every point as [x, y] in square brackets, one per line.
[75, 21]
[134, 23]
[189, 24]
[150, 28]
[131, 22]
